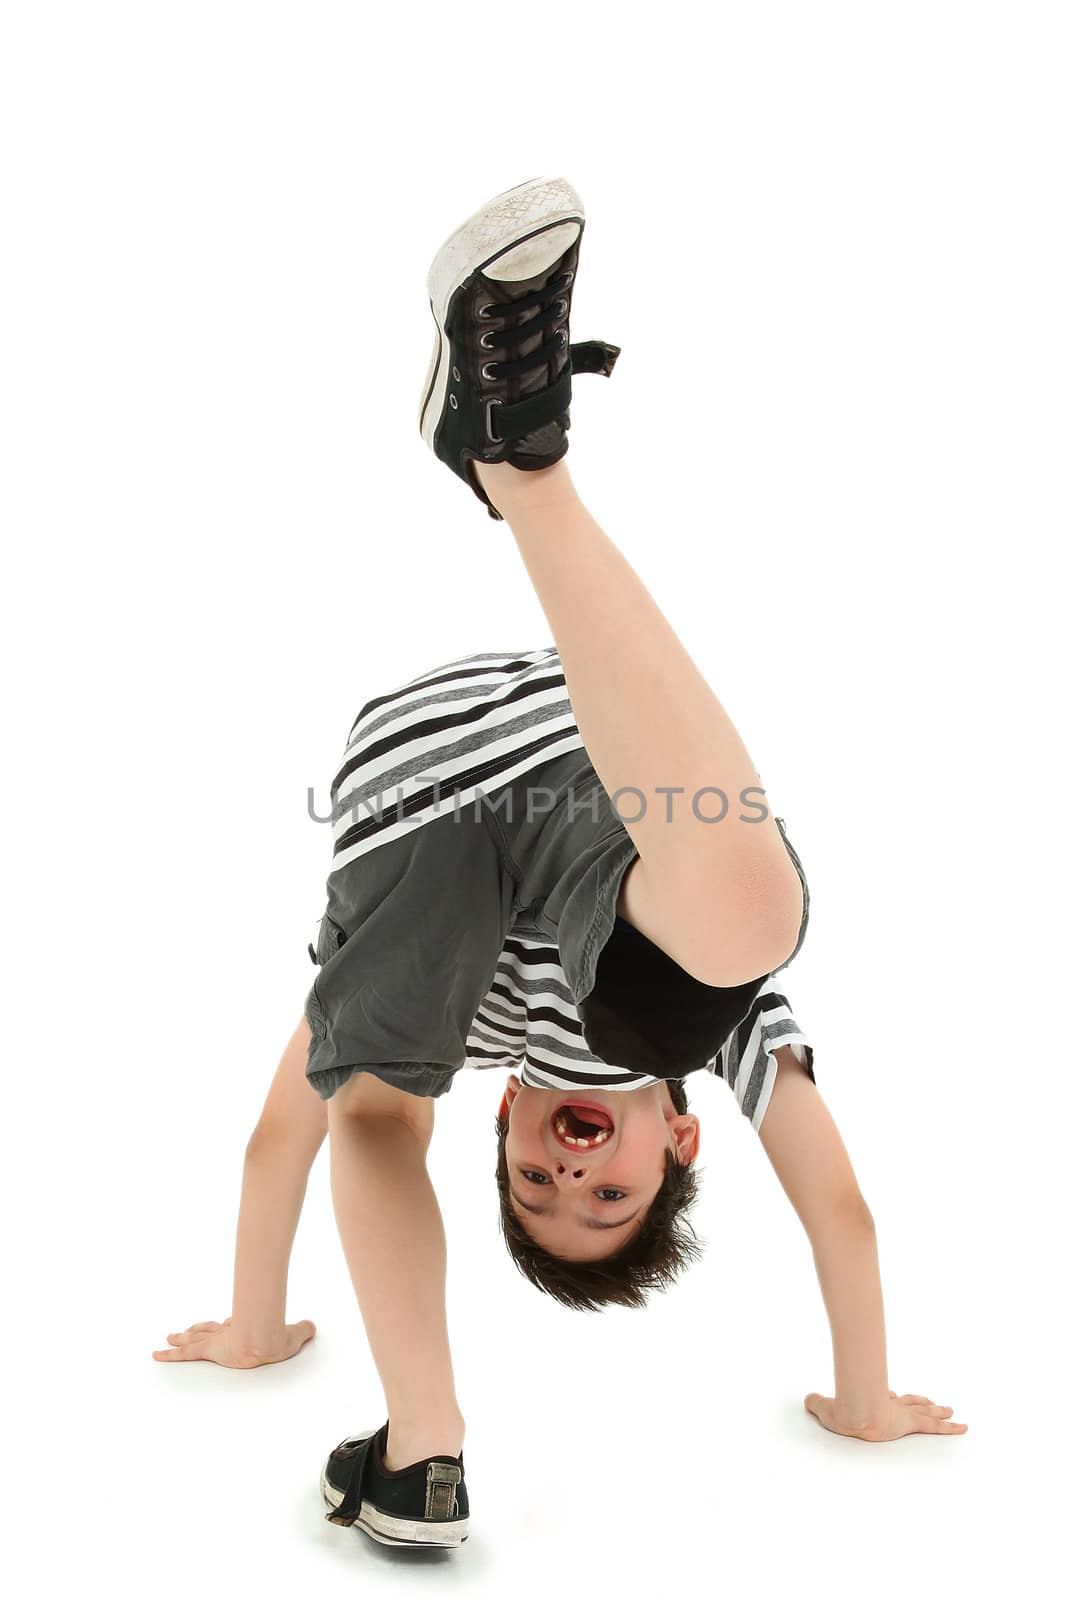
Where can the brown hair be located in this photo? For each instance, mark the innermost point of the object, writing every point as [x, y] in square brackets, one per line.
[662, 1248]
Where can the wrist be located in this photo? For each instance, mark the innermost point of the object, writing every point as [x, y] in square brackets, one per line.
[862, 1411]
[259, 1337]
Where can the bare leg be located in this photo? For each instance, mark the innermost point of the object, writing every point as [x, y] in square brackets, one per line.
[722, 898]
[394, 1243]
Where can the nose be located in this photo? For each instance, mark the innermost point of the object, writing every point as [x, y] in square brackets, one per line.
[575, 1172]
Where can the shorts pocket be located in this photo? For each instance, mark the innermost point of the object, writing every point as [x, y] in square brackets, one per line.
[331, 937]
[315, 1014]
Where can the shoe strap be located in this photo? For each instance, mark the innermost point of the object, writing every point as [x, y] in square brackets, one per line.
[514, 421]
[347, 1511]
[594, 355]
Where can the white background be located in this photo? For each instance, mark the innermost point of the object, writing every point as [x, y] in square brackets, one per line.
[830, 242]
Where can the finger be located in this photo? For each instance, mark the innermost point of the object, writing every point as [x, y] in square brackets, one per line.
[815, 1403]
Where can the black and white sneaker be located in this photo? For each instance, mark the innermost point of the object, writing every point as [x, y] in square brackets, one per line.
[499, 383]
[423, 1507]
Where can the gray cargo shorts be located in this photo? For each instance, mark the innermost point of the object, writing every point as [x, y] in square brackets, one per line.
[409, 943]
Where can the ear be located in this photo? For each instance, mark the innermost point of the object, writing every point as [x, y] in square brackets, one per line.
[685, 1130]
[511, 1089]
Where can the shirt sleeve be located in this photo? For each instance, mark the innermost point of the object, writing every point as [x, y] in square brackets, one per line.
[746, 1061]
[498, 1034]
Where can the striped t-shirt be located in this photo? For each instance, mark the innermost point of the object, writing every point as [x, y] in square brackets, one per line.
[470, 727]
[431, 746]
[528, 1023]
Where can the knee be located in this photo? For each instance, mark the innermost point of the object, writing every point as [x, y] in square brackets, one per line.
[264, 1142]
[279, 1138]
[741, 926]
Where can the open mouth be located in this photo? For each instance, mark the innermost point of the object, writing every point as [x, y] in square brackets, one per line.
[582, 1125]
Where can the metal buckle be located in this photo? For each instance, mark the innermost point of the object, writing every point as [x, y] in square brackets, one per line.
[494, 438]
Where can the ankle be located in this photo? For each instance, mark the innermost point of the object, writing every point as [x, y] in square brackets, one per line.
[513, 490]
[410, 1442]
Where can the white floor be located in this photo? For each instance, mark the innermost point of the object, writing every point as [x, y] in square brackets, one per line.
[623, 1451]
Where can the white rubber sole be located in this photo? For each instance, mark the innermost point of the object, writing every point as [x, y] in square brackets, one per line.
[522, 225]
[398, 1530]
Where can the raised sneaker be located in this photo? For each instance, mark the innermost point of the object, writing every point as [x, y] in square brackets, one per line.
[498, 386]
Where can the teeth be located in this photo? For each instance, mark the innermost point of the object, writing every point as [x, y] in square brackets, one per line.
[579, 1144]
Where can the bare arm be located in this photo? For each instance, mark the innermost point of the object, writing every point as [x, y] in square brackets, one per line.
[809, 1157]
[278, 1158]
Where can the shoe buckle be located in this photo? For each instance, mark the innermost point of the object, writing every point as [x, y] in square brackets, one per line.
[494, 438]
[442, 1481]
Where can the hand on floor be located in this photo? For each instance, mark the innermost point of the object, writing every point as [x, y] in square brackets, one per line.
[902, 1414]
[216, 1341]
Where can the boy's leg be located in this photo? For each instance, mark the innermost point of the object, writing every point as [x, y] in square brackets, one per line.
[394, 1243]
[407, 951]
[722, 898]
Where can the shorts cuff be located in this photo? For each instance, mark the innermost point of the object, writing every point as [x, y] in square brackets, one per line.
[426, 1078]
[612, 866]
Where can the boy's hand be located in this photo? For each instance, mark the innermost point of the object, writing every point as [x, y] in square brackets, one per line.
[216, 1341]
[901, 1414]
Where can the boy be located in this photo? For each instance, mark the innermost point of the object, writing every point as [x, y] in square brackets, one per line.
[488, 905]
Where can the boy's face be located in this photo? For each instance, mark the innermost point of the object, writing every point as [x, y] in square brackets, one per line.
[578, 1190]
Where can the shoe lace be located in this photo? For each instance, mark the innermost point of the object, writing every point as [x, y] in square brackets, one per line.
[551, 305]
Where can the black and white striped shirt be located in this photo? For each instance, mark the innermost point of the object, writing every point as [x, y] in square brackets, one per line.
[470, 727]
[429, 747]
[528, 1023]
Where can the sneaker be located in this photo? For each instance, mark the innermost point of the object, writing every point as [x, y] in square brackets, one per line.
[422, 1507]
[499, 383]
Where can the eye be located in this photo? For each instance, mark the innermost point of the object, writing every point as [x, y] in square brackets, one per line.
[610, 1195]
